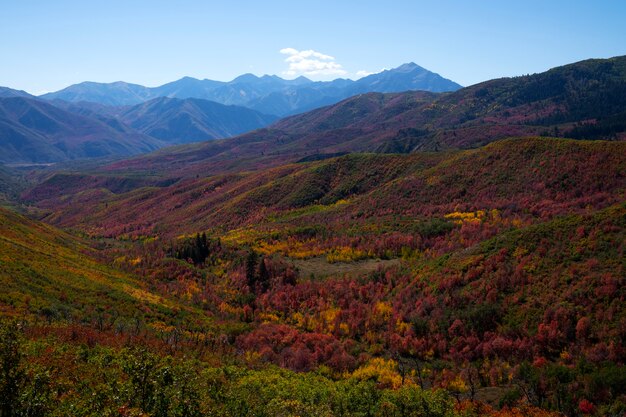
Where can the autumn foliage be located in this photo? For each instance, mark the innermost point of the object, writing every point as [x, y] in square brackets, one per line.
[482, 282]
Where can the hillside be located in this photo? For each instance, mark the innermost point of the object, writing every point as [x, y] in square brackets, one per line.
[49, 273]
[34, 131]
[177, 121]
[372, 185]
[580, 100]
[493, 273]
[339, 128]
[11, 185]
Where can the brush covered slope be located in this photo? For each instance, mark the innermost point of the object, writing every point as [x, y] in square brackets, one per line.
[50, 274]
[478, 282]
[540, 172]
[491, 277]
[580, 100]
[11, 185]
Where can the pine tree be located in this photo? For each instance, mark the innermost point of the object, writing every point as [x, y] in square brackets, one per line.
[11, 372]
[264, 276]
[251, 275]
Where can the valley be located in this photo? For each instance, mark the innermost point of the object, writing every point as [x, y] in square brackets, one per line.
[454, 252]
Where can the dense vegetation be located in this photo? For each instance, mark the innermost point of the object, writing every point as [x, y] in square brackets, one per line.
[102, 380]
[482, 282]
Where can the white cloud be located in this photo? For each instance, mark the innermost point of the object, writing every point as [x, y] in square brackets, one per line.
[310, 62]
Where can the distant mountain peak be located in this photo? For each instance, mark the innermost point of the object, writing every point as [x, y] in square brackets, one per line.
[268, 94]
[408, 67]
[245, 78]
[9, 92]
[408, 76]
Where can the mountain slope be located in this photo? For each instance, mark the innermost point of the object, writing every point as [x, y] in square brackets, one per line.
[339, 128]
[192, 120]
[186, 87]
[34, 131]
[564, 176]
[11, 184]
[47, 272]
[586, 99]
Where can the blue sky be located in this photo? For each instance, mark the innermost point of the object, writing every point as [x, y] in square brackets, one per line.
[47, 45]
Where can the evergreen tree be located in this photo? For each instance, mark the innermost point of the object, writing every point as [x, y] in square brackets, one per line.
[264, 276]
[12, 374]
[251, 275]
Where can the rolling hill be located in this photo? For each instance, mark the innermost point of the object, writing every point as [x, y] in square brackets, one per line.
[49, 273]
[570, 174]
[489, 261]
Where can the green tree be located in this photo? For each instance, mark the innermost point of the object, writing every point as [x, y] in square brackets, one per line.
[140, 366]
[251, 275]
[12, 374]
[264, 276]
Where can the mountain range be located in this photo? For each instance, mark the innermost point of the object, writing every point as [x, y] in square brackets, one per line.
[581, 100]
[34, 131]
[268, 94]
[37, 131]
[93, 120]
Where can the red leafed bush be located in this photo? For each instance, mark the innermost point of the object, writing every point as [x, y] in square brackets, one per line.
[585, 406]
[287, 347]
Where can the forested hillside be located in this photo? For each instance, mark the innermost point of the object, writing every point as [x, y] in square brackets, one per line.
[479, 282]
